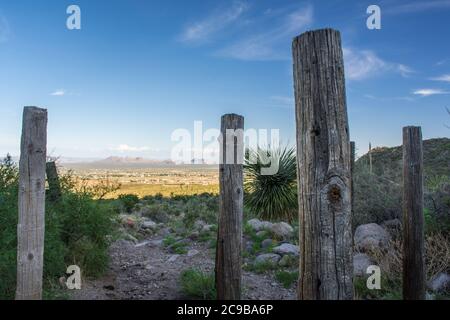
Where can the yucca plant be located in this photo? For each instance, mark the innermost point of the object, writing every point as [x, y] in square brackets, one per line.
[271, 196]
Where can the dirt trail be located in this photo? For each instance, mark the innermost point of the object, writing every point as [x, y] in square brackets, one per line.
[148, 271]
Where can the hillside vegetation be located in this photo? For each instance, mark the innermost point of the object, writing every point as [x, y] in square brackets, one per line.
[387, 162]
[378, 195]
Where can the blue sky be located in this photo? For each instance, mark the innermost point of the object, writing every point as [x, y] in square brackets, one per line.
[137, 70]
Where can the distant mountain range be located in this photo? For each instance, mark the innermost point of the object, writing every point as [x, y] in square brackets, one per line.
[119, 162]
[134, 160]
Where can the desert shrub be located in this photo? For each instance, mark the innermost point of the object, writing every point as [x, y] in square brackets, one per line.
[201, 207]
[390, 263]
[76, 230]
[437, 260]
[85, 224]
[437, 249]
[176, 245]
[286, 278]
[198, 285]
[128, 201]
[437, 204]
[376, 198]
[261, 267]
[271, 196]
[391, 289]
[195, 207]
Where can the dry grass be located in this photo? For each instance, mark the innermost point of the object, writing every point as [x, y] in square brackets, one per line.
[437, 247]
[437, 257]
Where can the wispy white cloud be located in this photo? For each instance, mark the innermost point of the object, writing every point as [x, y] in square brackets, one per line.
[418, 6]
[429, 92]
[5, 30]
[203, 30]
[404, 70]
[58, 93]
[127, 148]
[265, 45]
[442, 62]
[445, 78]
[363, 64]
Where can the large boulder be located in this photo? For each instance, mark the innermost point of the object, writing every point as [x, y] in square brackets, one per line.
[287, 249]
[361, 262]
[440, 283]
[282, 230]
[271, 258]
[258, 225]
[371, 236]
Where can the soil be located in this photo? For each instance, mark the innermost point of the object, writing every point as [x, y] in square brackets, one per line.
[148, 271]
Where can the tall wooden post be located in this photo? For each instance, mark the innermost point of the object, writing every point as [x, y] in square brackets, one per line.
[54, 187]
[413, 233]
[229, 235]
[323, 156]
[352, 170]
[30, 230]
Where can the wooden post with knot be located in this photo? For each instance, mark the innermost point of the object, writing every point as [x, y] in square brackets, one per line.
[324, 167]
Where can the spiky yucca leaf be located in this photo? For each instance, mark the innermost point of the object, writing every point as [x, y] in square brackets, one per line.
[274, 196]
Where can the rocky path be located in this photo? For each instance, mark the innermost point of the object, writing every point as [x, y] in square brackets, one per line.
[148, 271]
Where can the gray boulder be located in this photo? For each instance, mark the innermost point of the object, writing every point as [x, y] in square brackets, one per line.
[287, 249]
[248, 246]
[288, 261]
[361, 262]
[149, 224]
[371, 236]
[192, 252]
[282, 230]
[440, 283]
[199, 224]
[267, 258]
[207, 228]
[266, 243]
[258, 225]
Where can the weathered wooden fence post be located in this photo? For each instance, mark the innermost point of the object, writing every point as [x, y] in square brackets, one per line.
[54, 188]
[324, 172]
[352, 170]
[413, 224]
[31, 226]
[229, 235]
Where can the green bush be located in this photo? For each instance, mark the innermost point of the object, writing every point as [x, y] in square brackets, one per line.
[128, 201]
[271, 196]
[437, 205]
[286, 278]
[196, 284]
[76, 230]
